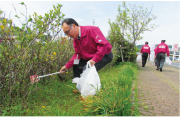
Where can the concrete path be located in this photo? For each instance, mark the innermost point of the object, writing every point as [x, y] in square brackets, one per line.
[158, 92]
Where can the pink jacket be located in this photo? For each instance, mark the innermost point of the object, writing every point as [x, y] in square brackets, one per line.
[92, 45]
[163, 48]
[155, 50]
[145, 48]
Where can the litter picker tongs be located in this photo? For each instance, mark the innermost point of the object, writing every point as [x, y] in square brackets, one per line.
[36, 78]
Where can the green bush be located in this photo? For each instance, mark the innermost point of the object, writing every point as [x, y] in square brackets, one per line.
[23, 56]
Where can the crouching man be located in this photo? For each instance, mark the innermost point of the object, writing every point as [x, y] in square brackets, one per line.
[89, 45]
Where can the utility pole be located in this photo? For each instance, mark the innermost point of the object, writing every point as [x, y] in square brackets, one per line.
[93, 22]
[121, 53]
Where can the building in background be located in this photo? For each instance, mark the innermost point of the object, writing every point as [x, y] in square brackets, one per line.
[139, 46]
[170, 47]
[175, 47]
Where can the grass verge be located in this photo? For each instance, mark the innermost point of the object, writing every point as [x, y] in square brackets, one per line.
[57, 98]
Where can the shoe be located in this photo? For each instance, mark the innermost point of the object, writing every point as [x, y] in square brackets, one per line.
[82, 98]
[157, 69]
[160, 69]
[76, 91]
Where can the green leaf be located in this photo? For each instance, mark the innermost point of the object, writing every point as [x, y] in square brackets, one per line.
[29, 30]
[12, 61]
[47, 15]
[22, 3]
[1, 47]
[16, 16]
[23, 27]
[30, 19]
[35, 58]
[1, 55]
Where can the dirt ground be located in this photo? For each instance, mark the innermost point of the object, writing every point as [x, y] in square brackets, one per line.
[158, 92]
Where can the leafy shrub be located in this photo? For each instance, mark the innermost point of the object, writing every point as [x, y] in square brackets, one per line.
[22, 56]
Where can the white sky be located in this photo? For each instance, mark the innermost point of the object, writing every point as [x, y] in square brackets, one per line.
[167, 12]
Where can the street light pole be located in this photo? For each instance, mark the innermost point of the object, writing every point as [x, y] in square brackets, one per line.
[93, 22]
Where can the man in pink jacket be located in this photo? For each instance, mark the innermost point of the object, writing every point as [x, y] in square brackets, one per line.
[145, 50]
[89, 45]
[162, 49]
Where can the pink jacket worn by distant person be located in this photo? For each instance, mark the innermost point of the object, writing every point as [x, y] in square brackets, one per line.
[163, 48]
[92, 45]
[145, 49]
[155, 50]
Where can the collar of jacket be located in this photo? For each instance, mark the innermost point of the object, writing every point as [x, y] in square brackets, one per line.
[83, 34]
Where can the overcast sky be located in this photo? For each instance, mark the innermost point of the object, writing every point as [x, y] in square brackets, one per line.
[167, 12]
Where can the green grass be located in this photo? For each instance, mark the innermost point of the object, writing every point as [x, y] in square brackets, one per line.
[57, 98]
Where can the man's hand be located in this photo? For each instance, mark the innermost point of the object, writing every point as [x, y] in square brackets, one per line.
[63, 69]
[92, 62]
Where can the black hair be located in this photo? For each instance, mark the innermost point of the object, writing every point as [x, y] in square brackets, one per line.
[163, 41]
[146, 42]
[70, 21]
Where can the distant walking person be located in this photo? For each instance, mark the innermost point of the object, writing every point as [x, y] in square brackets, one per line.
[145, 50]
[162, 49]
[155, 57]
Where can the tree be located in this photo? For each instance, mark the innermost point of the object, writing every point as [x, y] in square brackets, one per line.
[131, 23]
[140, 22]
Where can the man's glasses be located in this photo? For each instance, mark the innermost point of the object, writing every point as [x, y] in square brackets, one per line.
[67, 31]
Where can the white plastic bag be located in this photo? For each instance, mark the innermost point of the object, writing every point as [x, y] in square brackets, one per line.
[168, 61]
[76, 80]
[89, 81]
[139, 57]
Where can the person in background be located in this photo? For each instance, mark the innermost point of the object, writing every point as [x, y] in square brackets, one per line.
[162, 49]
[89, 45]
[145, 50]
[155, 57]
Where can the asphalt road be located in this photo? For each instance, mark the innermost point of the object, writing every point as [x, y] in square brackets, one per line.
[175, 64]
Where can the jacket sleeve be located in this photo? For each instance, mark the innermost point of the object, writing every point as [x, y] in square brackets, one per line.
[102, 43]
[157, 49]
[141, 49]
[167, 50]
[71, 61]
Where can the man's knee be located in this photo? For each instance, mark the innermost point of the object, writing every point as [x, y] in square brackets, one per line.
[105, 60]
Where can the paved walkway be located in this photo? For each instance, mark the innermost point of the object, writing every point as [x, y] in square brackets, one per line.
[158, 92]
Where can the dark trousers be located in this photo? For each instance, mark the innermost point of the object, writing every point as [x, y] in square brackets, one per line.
[156, 61]
[160, 60]
[78, 69]
[144, 58]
